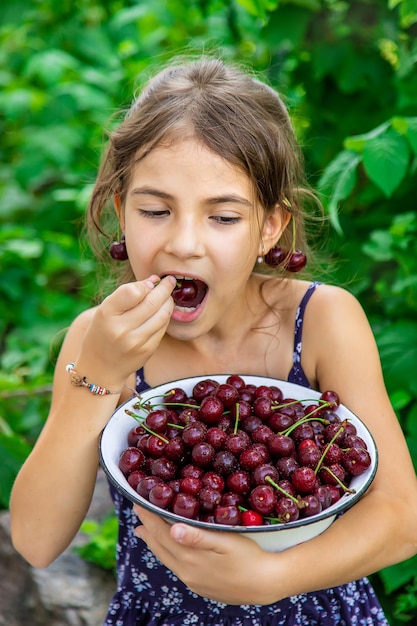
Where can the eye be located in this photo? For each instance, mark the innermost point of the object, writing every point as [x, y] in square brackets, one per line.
[225, 219]
[154, 214]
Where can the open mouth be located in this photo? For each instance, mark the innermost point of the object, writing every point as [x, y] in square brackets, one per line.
[189, 292]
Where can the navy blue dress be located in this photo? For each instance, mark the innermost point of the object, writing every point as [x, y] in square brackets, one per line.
[149, 594]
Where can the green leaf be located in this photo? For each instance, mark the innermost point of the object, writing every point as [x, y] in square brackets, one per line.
[50, 65]
[100, 548]
[397, 345]
[358, 142]
[379, 246]
[400, 399]
[258, 8]
[393, 3]
[13, 452]
[386, 159]
[408, 13]
[338, 181]
[412, 132]
[23, 248]
[287, 27]
[398, 575]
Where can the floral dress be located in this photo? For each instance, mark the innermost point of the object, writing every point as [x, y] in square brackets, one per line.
[149, 594]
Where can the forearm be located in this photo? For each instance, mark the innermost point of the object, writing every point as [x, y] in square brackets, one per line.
[53, 490]
[229, 568]
[365, 539]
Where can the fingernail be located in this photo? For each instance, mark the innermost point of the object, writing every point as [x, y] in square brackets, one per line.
[178, 533]
[150, 284]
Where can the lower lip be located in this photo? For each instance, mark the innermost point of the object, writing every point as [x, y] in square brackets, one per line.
[187, 316]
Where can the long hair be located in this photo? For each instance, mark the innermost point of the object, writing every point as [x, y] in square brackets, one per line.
[231, 112]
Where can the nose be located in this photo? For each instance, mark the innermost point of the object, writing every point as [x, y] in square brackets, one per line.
[186, 238]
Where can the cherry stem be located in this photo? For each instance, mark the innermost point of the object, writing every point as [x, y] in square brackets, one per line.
[332, 440]
[274, 484]
[304, 420]
[179, 426]
[186, 406]
[141, 419]
[324, 403]
[294, 228]
[339, 482]
[236, 418]
[147, 406]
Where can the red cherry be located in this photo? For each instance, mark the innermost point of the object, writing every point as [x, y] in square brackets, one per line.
[209, 499]
[186, 505]
[228, 394]
[356, 461]
[310, 505]
[263, 499]
[251, 518]
[331, 397]
[305, 443]
[131, 459]
[236, 381]
[204, 388]
[211, 410]
[118, 251]
[276, 256]
[229, 515]
[191, 485]
[304, 479]
[161, 495]
[287, 510]
[296, 262]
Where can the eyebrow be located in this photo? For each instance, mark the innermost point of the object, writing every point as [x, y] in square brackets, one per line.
[221, 199]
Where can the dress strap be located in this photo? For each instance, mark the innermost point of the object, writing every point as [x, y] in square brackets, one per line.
[141, 384]
[296, 374]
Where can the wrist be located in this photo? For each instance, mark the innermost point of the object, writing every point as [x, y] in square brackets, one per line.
[78, 379]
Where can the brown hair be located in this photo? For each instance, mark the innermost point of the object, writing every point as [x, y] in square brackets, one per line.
[229, 111]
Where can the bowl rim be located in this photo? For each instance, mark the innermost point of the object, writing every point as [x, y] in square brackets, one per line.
[346, 501]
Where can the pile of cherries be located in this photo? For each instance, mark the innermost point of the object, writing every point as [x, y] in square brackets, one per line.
[240, 454]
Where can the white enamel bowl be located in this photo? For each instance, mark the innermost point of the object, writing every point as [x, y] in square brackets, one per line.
[274, 537]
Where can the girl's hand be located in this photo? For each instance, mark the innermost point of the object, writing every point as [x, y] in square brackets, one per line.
[126, 329]
[221, 566]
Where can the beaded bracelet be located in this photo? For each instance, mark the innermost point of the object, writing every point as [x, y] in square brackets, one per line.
[81, 381]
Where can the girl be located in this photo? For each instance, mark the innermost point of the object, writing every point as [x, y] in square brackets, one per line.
[205, 178]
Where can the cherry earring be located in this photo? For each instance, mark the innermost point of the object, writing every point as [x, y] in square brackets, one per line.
[118, 250]
[290, 260]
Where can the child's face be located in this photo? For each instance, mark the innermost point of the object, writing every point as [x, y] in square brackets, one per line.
[191, 214]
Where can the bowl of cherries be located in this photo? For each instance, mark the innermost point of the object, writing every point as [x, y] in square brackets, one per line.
[272, 460]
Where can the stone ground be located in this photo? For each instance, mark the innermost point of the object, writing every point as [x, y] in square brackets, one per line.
[70, 592]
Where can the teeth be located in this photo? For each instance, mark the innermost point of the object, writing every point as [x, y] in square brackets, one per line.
[185, 309]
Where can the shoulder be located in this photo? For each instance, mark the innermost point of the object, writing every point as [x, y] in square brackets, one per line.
[337, 334]
[335, 312]
[333, 304]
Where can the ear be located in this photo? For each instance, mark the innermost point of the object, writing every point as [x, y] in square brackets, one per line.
[118, 208]
[275, 224]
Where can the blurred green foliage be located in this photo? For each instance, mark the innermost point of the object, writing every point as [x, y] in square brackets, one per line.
[348, 73]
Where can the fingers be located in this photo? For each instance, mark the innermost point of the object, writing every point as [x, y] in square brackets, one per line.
[128, 296]
[128, 326]
[211, 563]
[178, 536]
[155, 533]
[138, 313]
[194, 537]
